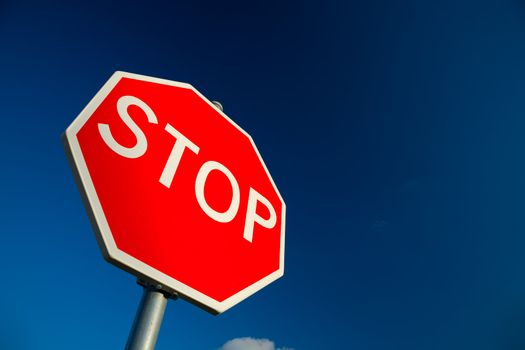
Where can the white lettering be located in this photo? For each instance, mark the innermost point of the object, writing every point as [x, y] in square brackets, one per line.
[176, 154]
[252, 217]
[230, 213]
[142, 144]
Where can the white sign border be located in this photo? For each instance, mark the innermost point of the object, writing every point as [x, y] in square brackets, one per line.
[107, 244]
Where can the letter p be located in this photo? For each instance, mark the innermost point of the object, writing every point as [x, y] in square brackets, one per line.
[252, 217]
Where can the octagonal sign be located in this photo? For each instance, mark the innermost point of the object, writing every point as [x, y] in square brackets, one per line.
[177, 192]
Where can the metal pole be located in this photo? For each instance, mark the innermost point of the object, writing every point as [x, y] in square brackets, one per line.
[218, 105]
[146, 327]
[147, 322]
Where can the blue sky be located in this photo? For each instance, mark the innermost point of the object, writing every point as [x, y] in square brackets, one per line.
[394, 131]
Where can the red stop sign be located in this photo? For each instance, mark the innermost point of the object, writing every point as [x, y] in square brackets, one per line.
[177, 192]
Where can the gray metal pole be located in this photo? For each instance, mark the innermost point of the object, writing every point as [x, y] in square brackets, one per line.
[218, 105]
[146, 326]
[147, 322]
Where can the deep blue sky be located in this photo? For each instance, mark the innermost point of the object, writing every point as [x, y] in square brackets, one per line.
[394, 130]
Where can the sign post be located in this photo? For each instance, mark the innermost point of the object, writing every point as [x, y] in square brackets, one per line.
[178, 195]
[146, 327]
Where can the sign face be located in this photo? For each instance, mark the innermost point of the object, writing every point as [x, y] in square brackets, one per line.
[177, 192]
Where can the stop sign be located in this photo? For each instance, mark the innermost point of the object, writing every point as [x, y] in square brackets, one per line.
[177, 192]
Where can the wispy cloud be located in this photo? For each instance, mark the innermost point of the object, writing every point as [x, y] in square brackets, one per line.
[248, 343]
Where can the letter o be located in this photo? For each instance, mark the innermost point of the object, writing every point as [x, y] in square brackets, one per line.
[204, 171]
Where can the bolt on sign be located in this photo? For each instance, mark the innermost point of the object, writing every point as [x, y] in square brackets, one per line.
[178, 193]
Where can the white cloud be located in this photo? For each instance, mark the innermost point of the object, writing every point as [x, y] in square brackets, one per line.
[250, 344]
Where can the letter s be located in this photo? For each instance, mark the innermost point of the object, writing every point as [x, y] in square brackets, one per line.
[142, 143]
